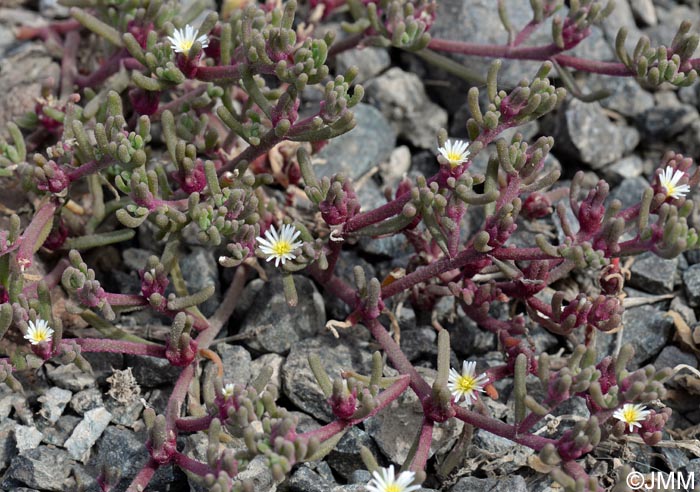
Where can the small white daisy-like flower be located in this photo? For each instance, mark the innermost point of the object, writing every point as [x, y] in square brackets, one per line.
[632, 414]
[227, 391]
[183, 39]
[467, 384]
[384, 480]
[38, 332]
[455, 153]
[669, 179]
[279, 247]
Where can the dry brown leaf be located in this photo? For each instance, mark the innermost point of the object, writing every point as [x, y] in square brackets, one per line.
[538, 465]
[683, 331]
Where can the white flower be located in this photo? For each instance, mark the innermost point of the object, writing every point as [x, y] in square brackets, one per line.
[280, 246]
[632, 414]
[455, 153]
[670, 179]
[383, 480]
[183, 39]
[466, 385]
[38, 332]
[227, 391]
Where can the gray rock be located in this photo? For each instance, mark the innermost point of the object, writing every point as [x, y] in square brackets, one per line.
[644, 11]
[400, 97]
[394, 429]
[200, 270]
[69, 377]
[52, 9]
[307, 480]
[151, 371]
[298, 381]
[271, 361]
[356, 152]
[627, 167]
[21, 76]
[280, 326]
[629, 192]
[236, 362]
[396, 167]
[691, 281]
[419, 343]
[42, 468]
[664, 122]
[513, 483]
[135, 258]
[259, 474]
[122, 450]
[647, 329]
[360, 476]
[653, 274]
[86, 400]
[53, 402]
[478, 21]
[593, 138]
[345, 457]
[87, 432]
[671, 356]
[370, 62]
[395, 246]
[626, 96]
[61, 430]
[7, 444]
[27, 437]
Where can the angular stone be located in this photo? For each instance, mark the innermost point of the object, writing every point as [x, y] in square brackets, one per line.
[271, 361]
[647, 329]
[653, 274]
[259, 474]
[277, 325]
[401, 97]
[151, 371]
[345, 457]
[298, 381]
[69, 377]
[87, 433]
[356, 152]
[593, 137]
[514, 483]
[200, 270]
[236, 362]
[691, 280]
[394, 429]
[369, 62]
[61, 430]
[86, 400]
[27, 437]
[53, 402]
[44, 468]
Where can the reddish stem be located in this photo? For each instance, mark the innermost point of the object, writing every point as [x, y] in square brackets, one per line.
[192, 465]
[425, 439]
[116, 346]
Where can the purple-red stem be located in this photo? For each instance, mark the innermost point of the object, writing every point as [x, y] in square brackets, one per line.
[425, 439]
[384, 399]
[192, 465]
[140, 481]
[116, 346]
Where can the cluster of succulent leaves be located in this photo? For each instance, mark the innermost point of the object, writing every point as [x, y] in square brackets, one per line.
[178, 145]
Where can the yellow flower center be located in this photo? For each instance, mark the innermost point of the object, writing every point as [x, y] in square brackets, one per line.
[670, 189]
[630, 415]
[40, 336]
[466, 383]
[454, 158]
[186, 45]
[392, 487]
[282, 247]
